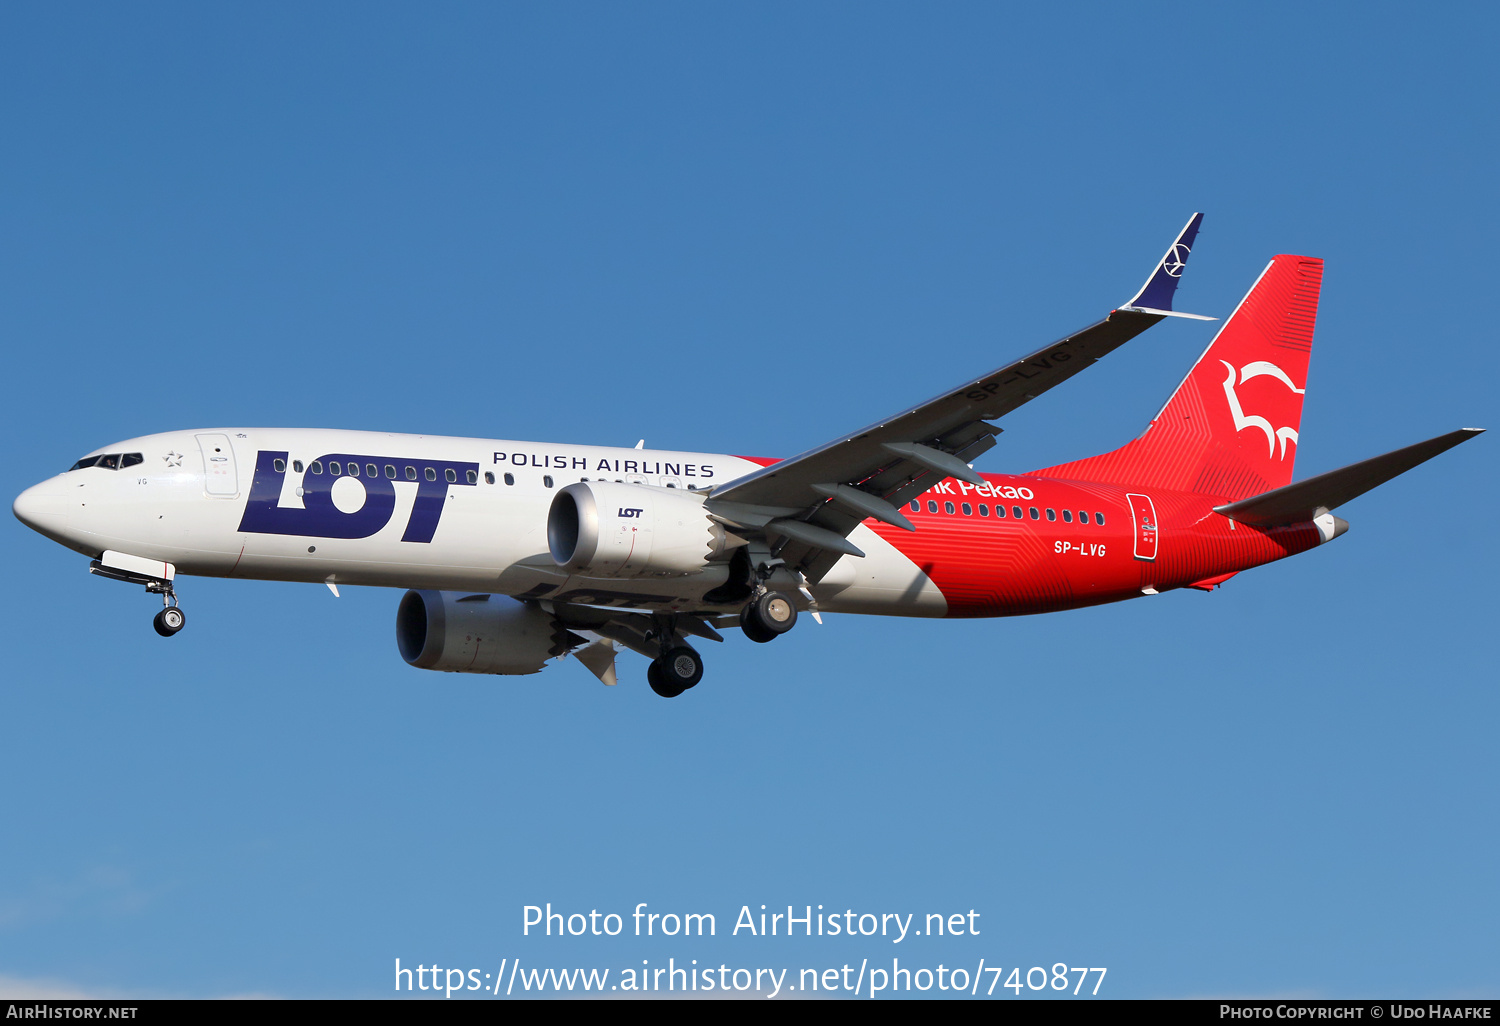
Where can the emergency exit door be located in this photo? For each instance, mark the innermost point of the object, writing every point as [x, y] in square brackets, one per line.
[1143, 521]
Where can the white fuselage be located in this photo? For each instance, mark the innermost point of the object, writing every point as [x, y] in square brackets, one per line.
[452, 514]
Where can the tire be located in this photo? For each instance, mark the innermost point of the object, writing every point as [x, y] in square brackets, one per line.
[659, 684]
[775, 612]
[753, 628]
[680, 667]
[169, 621]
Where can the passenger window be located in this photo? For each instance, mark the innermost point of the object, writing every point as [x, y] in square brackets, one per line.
[390, 472]
[510, 479]
[948, 508]
[1033, 512]
[916, 506]
[335, 469]
[1015, 511]
[297, 466]
[1000, 512]
[932, 505]
[411, 473]
[316, 466]
[1051, 513]
[279, 465]
[354, 469]
[471, 476]
[968, 510]
[549, 483]
[489, 477]
[1067, 516]
[1083, 517]
[432, 474]
[130, 459]
[371, 470]
[984, 510]
[1099, 519]
[547, 480]
[451, 475]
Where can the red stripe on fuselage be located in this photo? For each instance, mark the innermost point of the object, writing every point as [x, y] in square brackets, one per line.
[1004, 566]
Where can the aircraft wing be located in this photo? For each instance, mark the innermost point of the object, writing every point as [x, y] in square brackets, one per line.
[809, 503]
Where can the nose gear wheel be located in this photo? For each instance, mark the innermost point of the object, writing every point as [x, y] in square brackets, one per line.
[169, 621]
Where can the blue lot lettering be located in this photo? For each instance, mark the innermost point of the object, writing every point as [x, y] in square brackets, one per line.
[322, 519]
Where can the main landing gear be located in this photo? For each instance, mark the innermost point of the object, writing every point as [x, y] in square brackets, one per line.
[768, 616]
[674, 671]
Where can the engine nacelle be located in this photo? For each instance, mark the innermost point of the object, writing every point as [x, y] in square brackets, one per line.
[608, 529]
[448, 630]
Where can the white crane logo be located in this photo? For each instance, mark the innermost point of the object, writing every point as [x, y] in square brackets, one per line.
[1257, 369]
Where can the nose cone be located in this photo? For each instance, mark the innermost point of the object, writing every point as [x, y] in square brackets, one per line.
[45, 509]
[40, 505]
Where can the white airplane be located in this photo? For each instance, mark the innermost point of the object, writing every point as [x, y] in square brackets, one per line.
[517, 553]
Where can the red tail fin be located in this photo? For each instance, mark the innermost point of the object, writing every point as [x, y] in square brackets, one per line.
[1231, 427]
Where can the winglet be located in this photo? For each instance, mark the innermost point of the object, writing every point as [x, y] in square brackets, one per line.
[1155, 296]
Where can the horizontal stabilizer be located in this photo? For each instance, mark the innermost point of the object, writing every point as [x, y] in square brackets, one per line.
[1300, 502]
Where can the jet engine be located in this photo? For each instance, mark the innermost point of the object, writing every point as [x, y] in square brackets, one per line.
[609, 529]
[446, 630]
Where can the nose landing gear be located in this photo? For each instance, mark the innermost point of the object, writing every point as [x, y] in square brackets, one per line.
[171, 619]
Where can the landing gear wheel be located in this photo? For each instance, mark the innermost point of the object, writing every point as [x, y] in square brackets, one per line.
[169, 621]
[753, 628]
[679, 668]
[772, 613]
[659, 684]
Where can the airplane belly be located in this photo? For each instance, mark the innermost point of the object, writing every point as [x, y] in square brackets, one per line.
[885, 582]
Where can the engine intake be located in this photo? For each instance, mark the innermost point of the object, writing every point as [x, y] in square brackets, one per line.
[445, 630]
[608, 529]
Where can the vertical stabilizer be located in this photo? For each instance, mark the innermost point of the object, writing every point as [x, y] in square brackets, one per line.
[1231, 427]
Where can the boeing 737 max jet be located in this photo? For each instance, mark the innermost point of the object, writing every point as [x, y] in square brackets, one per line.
[517, 553]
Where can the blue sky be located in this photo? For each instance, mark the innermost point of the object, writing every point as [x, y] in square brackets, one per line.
[746, 228]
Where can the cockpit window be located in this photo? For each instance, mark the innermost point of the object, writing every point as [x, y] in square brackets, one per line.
[111, 461]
